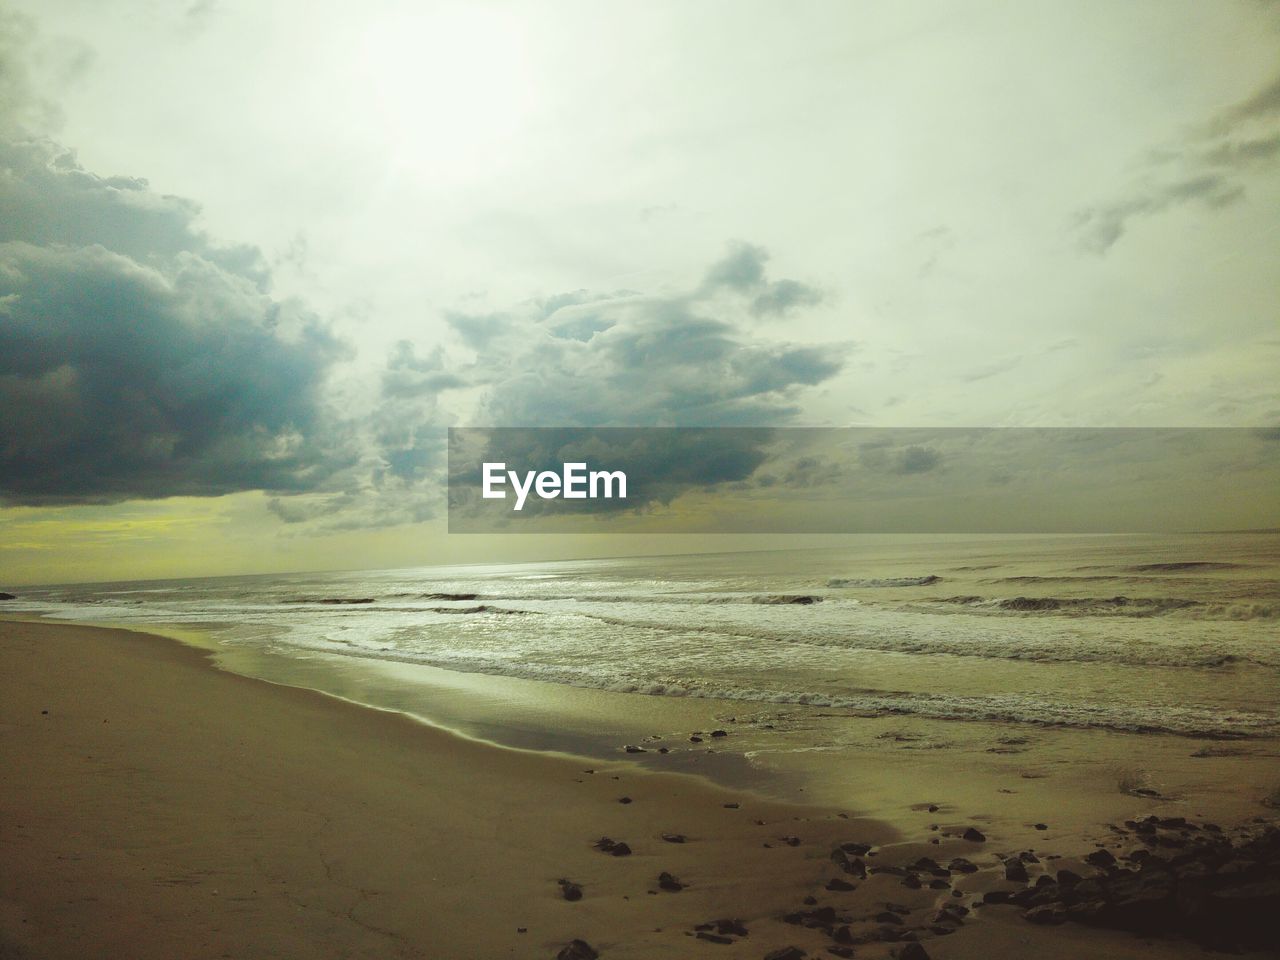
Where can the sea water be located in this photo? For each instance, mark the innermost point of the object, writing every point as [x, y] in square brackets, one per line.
[1142, 634]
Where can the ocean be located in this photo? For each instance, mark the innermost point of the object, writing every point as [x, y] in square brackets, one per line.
[1134, 634]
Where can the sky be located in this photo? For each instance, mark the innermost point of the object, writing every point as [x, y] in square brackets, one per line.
[256, 257]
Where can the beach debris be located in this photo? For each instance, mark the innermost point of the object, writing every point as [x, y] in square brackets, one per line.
[675, 838]
[695, 739]
[1016, 871]
[724, 928]
[578, 950]
[853, 865]
[1101, 858]
[974, 835]
[570, 890]
[7, 596]
[624, 799]
[719, 733]
[823, 918]
[732, 806]
[615, 848]
[1041, 826]
[632, 748]
[668, 882]
[786, 953]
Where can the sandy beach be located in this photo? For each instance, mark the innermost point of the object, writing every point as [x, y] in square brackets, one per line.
[155, 806]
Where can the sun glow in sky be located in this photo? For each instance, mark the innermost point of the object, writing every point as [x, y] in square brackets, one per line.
[449, 87]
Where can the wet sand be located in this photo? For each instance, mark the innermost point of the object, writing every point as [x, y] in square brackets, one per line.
[154, 806]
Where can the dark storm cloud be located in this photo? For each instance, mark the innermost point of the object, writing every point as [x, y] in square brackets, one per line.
[138, 359]
[48, 198]
[1209, 168]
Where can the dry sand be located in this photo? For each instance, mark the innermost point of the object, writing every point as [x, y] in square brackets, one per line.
[154, 806]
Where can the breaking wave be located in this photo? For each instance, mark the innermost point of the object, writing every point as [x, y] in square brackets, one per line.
[1037, 711]
[874, 582]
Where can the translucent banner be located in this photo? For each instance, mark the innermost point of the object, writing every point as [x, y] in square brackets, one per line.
[861, 480]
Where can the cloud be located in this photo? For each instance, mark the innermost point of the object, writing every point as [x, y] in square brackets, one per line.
[652, 361]
[1264, 103]
[742, 271]
[476, 330]
[576, 360]
[880, 453]
[1208, 168]
[686, 359]
[917, 460]
[137, 358]
[783, 296]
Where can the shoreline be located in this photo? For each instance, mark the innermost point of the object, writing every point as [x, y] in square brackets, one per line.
[383, 833]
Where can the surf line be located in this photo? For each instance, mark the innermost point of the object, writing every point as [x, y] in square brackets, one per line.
[573, 482]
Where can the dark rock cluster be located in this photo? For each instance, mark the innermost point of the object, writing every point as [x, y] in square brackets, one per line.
[1177, 879]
